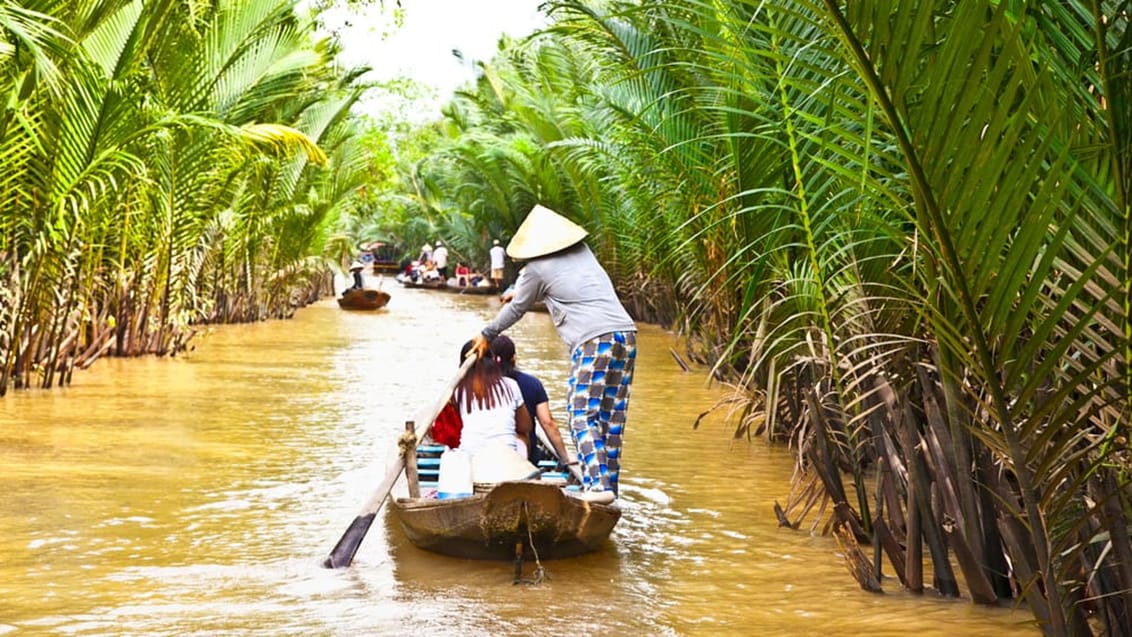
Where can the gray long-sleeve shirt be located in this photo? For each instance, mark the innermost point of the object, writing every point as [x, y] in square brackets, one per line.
[577, 292]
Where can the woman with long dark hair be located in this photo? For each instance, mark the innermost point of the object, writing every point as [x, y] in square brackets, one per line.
[491, 408]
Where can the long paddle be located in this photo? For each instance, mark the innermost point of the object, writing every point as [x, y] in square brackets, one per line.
[343, 553]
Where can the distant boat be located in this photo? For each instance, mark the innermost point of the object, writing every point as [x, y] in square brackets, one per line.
[386, 267]
[363, 299]
[382, 256]
[436, 284]
[449, 286]
[472, 289]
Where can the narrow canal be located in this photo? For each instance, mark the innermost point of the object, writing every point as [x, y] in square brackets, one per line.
[197, 496]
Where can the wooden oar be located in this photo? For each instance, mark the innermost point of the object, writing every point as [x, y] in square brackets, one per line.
[343, 553]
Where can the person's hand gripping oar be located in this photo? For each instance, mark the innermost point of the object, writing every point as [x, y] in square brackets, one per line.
[343, 553]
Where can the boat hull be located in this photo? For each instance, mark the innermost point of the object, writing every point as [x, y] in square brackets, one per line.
[424, 285]
[441, 286]
[364, 299]
[473, 289]
[491, 525]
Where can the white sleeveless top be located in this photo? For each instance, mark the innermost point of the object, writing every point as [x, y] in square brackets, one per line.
[482, 427]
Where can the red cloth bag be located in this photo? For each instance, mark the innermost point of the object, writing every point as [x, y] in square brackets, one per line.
[446, 429]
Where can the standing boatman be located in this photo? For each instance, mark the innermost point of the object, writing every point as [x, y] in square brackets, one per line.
[496, 253]
[356, 270]
[440, 258]
[562, 271]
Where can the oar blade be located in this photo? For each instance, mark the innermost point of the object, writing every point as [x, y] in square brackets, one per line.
[343, 553]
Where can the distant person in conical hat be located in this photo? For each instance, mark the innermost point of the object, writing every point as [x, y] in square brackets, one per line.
[356, 269]
[497, 258]
[561, 271]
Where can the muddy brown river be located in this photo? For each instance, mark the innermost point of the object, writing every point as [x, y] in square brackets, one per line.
[197, 496]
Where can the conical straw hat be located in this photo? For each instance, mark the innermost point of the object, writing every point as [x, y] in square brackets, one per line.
[543, 232]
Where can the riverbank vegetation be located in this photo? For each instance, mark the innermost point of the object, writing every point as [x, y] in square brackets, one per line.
[901, 231]
[166, 164]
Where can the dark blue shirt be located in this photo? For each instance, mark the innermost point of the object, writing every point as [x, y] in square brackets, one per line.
[534, 394]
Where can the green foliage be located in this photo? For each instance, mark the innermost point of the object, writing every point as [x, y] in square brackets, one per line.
[901, 228]
[178, 163]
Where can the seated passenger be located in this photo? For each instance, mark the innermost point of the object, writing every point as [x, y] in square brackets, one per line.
[491, 408]
[463, 275]
[536, 402]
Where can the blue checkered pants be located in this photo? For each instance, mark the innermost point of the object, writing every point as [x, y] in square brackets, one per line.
[597, 400]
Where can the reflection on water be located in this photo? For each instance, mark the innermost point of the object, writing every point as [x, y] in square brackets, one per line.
[197, 495]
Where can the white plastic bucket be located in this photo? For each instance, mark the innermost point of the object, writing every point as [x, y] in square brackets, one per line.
[455, 479]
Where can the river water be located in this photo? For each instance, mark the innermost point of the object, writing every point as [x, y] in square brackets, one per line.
[197, 496]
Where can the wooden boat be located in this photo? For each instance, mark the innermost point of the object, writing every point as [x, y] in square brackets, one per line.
[508, 517]
[363, 299]
[390, 268]
[384, 255]
[443, 286]
[425, 285]
[501, 521]
[473, 289]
